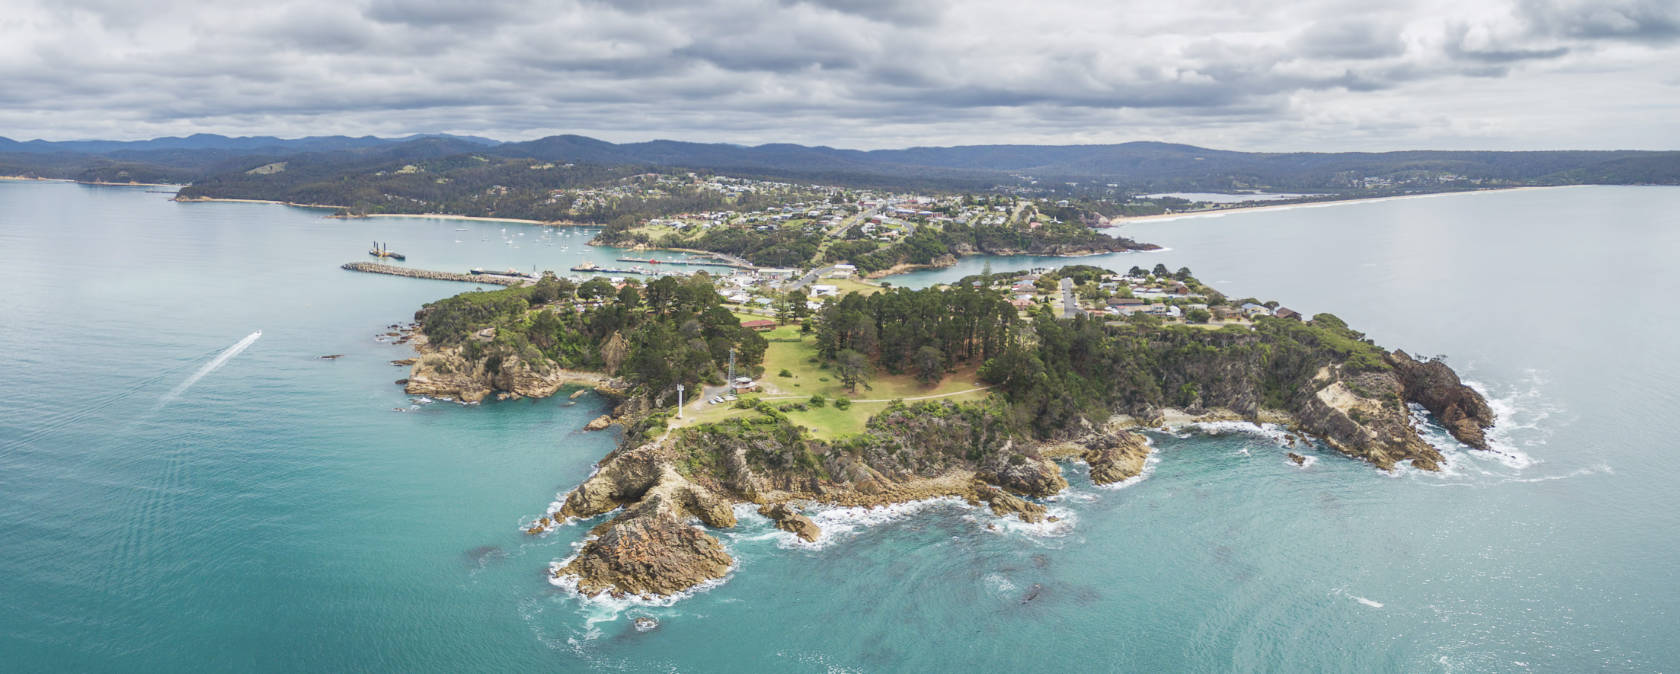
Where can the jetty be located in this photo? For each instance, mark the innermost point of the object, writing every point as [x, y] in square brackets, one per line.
[410, 272]
[691, 263]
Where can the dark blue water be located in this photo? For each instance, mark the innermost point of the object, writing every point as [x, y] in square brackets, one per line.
[280, 514]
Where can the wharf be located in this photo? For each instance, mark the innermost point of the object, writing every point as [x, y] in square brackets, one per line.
[410, 272]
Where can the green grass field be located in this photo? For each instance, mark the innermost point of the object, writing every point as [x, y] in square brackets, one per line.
[794, 352]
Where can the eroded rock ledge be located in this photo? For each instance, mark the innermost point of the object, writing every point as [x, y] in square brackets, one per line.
[929, 450]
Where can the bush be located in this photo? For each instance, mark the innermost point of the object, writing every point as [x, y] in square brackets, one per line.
[817, 400]
[784, 373]
[842, 403]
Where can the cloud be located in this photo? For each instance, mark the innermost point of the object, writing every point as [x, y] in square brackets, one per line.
[1247, 74]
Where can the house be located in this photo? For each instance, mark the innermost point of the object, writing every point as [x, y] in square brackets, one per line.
[1286, 312]
[1125, 302]
[777, 274]
[1251, 309]
[1021, 303]
[842, 271]
[744, 384]
[760, 325]
[1224, 313]
[824, 290]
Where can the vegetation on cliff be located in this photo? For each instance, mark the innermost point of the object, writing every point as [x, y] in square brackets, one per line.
[671, 331]
[1060, 388]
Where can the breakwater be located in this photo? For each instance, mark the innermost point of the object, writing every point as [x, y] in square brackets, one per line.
[411, 272]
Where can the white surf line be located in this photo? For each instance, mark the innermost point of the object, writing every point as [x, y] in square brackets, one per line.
[214, 364]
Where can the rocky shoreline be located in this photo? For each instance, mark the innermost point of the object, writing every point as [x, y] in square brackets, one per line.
[652, 549]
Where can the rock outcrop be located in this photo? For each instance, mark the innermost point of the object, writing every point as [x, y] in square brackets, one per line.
[447, 372]
[1004, 504]
[599, 423]
[650, 548]
[1459, 408]
[792, 522]
[1115, 456]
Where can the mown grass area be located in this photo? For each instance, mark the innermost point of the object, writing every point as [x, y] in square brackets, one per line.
[852, 285]
[794, 352]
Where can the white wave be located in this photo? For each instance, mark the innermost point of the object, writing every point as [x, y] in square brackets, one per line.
[1057, 522]
[214, 364]
[1307, 461]
[1277, 434]
[1342, 592]
[999, 584]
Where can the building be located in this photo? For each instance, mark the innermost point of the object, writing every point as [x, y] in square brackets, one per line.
[760, 325]
[842, 271]
[1286, 312]
[824, 290]
[777, 274]
[744, 384]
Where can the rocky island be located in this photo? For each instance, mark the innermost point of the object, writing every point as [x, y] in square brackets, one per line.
[960, 392]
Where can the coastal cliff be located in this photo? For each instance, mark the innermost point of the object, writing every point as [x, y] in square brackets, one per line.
[1050, 390]
[451, 372]
[909, 453]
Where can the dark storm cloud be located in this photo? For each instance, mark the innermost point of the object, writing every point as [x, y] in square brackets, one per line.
[843, 72]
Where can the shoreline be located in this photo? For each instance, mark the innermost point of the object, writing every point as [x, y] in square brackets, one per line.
[100, 183]
[1212, 212]
[426, 216]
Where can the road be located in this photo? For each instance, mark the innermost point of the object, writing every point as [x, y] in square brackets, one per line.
[808, 278]
[1070, 305]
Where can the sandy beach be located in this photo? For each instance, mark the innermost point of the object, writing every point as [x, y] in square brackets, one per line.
[1263, 206]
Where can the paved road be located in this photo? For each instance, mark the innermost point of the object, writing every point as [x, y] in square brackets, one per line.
[808, 278]
[1070, 306]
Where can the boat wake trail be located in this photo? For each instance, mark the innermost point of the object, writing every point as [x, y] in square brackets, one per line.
[214, 364]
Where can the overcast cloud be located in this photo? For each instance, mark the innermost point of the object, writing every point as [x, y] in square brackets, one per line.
[1239, 74]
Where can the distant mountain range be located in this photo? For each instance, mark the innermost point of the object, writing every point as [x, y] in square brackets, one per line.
[210, 141]
[1133, 166]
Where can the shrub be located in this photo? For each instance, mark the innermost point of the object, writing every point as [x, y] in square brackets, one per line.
[784, 373]
[817, 400]
[842, 403]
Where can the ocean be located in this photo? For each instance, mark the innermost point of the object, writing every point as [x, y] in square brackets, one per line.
[185, 483]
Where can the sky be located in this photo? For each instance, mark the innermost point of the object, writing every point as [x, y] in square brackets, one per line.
[1322, 75]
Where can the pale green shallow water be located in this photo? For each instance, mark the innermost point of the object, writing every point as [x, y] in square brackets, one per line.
[279, 515]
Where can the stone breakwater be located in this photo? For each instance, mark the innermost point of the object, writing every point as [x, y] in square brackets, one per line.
[372, 268]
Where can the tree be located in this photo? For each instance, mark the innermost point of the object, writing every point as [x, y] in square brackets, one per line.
[1137, 272]
[1047, 283]
[1183, 274]
[930, 364]
[629, 297]
[595, 288]
[852, 368]
[1198, 316]
[1160, 271]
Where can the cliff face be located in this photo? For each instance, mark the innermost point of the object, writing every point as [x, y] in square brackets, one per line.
[909, 453]
[448, 372]
[1463, 411]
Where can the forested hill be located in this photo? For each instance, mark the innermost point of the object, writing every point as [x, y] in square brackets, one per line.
[1138, 166]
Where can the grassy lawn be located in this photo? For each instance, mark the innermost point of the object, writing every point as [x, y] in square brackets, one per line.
[791, 351]
[852, 285]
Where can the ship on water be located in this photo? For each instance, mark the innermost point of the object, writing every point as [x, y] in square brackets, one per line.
[383, 252]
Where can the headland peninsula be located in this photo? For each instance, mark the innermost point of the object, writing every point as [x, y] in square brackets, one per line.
[975, 390]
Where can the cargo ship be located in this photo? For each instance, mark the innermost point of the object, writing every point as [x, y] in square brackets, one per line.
[382, 252]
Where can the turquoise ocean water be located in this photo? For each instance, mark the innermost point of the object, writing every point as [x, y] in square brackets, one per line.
[180, 493]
